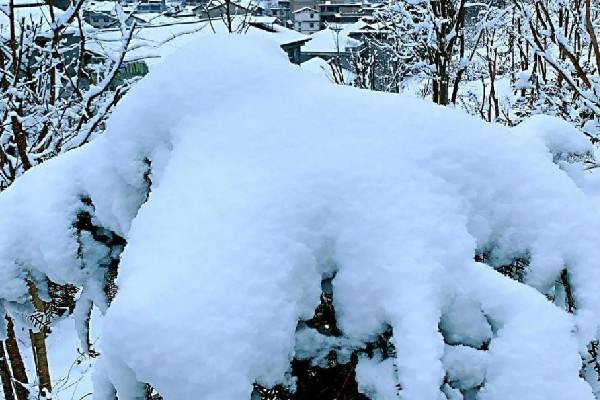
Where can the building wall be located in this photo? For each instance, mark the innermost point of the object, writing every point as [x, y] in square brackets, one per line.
[307, 21]
[153, 6]
[99, 20]
[307, 26]
[283, 14]
[345, 13]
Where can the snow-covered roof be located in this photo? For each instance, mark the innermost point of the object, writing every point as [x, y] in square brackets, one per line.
[100, 6]
[329, 40]
[147, 17]
[162, 20]
[262, 20]
[338, 3]
[187, 10]
[283, 35]
[305, 9]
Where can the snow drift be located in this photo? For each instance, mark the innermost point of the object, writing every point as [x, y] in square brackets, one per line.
[240, 182]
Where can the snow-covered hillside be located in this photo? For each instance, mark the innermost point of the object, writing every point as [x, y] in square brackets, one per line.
[240, 183]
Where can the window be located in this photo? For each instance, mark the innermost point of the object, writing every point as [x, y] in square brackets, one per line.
[312, 15]
[312, 25]
[94, 19]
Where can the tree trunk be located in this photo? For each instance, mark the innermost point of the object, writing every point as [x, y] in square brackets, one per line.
[444, 85]
[38, 344]
[5, 375]
[16, 362]
[444, 96]
[435, 95]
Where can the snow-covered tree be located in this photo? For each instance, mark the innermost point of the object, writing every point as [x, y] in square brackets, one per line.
[562, 72]
[403, 251]
[54, 93]
[429, 37]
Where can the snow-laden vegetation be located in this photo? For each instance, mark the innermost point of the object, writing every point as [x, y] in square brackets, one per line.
[390, 247]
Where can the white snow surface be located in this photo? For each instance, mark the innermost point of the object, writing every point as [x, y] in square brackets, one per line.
[244, 220]
[377, 378]
[559, 137]
[320, 67]
[333, 39]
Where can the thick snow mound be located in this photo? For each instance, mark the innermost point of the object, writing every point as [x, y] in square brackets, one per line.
[263, 181]
[560, 138]
[567, 146]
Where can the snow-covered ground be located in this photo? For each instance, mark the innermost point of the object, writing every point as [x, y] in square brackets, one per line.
[264, 181]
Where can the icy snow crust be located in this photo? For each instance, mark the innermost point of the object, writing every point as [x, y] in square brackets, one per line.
[258, 193]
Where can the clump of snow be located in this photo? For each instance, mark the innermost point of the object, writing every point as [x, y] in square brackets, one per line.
[561, 139]
[568, 146]
[322, 68]
[463, 322]
[377, 378]
[232, 223]
[314, 346]
[466, 366]
[524, 81]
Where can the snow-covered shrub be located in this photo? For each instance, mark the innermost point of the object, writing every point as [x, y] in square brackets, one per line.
[55, 94]
[403, 249]
[564, 65]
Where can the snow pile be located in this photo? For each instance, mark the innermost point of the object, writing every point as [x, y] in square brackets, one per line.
[560, 138]
[322, 68]
[568, 147]
[232, 224]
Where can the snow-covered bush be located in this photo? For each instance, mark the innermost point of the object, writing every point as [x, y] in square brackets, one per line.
[55, 94]
[562, 73]
[407, 250]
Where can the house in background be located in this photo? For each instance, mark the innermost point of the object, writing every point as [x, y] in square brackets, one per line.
[101, 14]
[307, 20]
[219, 8]
[296, 5]
[282, 11]
[157, 19]
[188, 10]
[335, 41]
[339, 12]
[289, 40]
[155, 41]
[152, 6]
